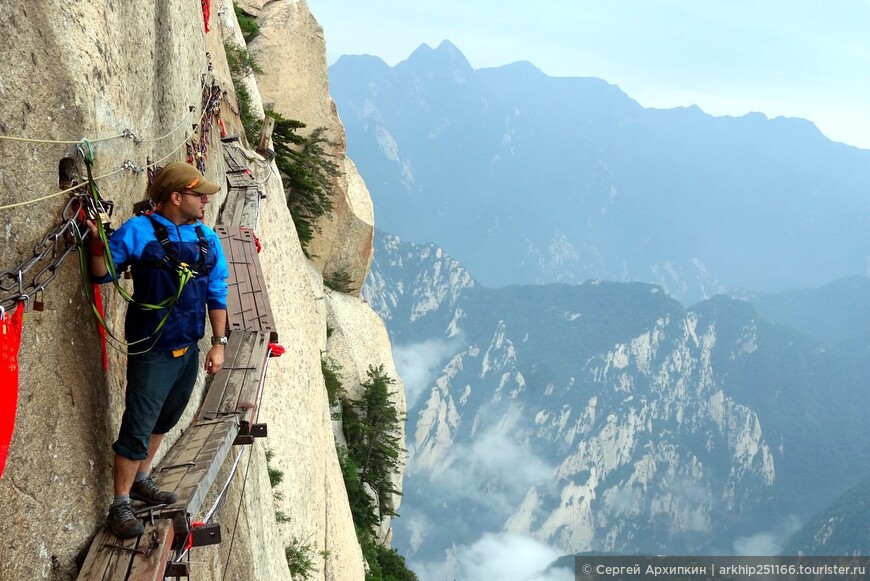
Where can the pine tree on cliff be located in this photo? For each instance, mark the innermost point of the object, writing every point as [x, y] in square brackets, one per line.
[307, 172]
[374, 442]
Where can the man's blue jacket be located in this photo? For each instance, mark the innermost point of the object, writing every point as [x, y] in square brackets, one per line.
[135, 244]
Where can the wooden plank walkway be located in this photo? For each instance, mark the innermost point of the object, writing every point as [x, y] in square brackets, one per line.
[237, 389]
[191, 466]
[228, 413]
[243, 194]
[248, 307]
[138, 559]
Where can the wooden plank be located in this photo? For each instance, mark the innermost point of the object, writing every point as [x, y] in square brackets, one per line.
[103, 563]
[237, 280]
[237, 387]
[248, 311]
[233, 206]
[205, 445]
[238, 374]
[249, 398]
[248, 306]
[264, 320]
[265, 134]
[108, 559]
[184, 455]
[246, 215]
[157, 542]
[234, 159]
[240, 207]
[255, 299]
[212, 403]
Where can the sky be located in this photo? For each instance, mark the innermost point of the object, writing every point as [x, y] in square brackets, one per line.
[793, 58]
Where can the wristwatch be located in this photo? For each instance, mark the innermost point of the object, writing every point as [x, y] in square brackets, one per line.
[219, 341]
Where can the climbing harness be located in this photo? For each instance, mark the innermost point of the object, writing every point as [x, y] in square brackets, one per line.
[170, 255]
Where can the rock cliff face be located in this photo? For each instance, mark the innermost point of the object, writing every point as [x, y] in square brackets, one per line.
[291, 51]
[94, 70]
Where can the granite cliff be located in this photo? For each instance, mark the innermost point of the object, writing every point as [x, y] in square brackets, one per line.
[103, 69]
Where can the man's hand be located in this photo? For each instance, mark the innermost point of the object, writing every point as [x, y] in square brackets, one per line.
[92, 228]
[97, 262]
[214, 359]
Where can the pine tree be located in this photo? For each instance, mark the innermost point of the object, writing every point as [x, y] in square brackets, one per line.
[307, 173]
[374, 442]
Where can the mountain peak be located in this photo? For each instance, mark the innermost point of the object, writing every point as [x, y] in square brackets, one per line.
[446, 56]
[448, 47]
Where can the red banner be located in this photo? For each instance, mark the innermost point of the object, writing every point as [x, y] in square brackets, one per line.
[10, 340]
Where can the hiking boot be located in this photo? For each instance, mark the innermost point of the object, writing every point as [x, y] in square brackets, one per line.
[147, 491]
[123, 522]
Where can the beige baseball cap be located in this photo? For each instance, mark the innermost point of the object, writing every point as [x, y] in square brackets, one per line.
[178, 177]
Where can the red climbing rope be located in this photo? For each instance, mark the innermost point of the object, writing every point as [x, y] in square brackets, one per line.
[10, 340]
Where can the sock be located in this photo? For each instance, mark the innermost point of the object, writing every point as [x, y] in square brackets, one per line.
[120, 499]
[140, 476]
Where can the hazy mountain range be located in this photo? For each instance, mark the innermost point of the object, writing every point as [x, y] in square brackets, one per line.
[562, 395]
[527, 178]
[609, 417]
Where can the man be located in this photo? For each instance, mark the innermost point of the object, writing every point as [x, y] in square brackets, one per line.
[171, 254]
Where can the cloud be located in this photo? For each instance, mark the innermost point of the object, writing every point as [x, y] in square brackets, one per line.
[496, 468]
[767, 543]
[418, 363]
[418, 527]
[502, 556]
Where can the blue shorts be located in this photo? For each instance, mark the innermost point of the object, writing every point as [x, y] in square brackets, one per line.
[158, 389]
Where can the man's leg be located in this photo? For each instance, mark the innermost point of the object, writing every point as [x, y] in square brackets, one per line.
[121, 519]
[144, 488]
[153, 445]
[126, 469]
[125, 472]
[185, 371]
[150, 377]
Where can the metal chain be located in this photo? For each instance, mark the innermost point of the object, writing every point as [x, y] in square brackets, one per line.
[30, 278]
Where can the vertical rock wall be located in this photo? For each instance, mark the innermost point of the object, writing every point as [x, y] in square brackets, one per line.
[94, 70]
[292, 53]
[72, 71]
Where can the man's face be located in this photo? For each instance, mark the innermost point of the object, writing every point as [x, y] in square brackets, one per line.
[193, 205]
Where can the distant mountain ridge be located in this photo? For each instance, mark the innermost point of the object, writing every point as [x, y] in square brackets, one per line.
[527, 178]
[609, 417]
[839, 530]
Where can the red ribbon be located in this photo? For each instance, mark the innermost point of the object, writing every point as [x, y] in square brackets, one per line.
[206, 13]
[10, 341]
[254, 236]
[98, 304]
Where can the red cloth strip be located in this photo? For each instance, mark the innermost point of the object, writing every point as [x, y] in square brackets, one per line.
[98, 304]
[206, 13]
[10, 341]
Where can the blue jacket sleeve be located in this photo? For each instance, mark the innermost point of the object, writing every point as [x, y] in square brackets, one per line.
[217, 278]
[122, 247]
